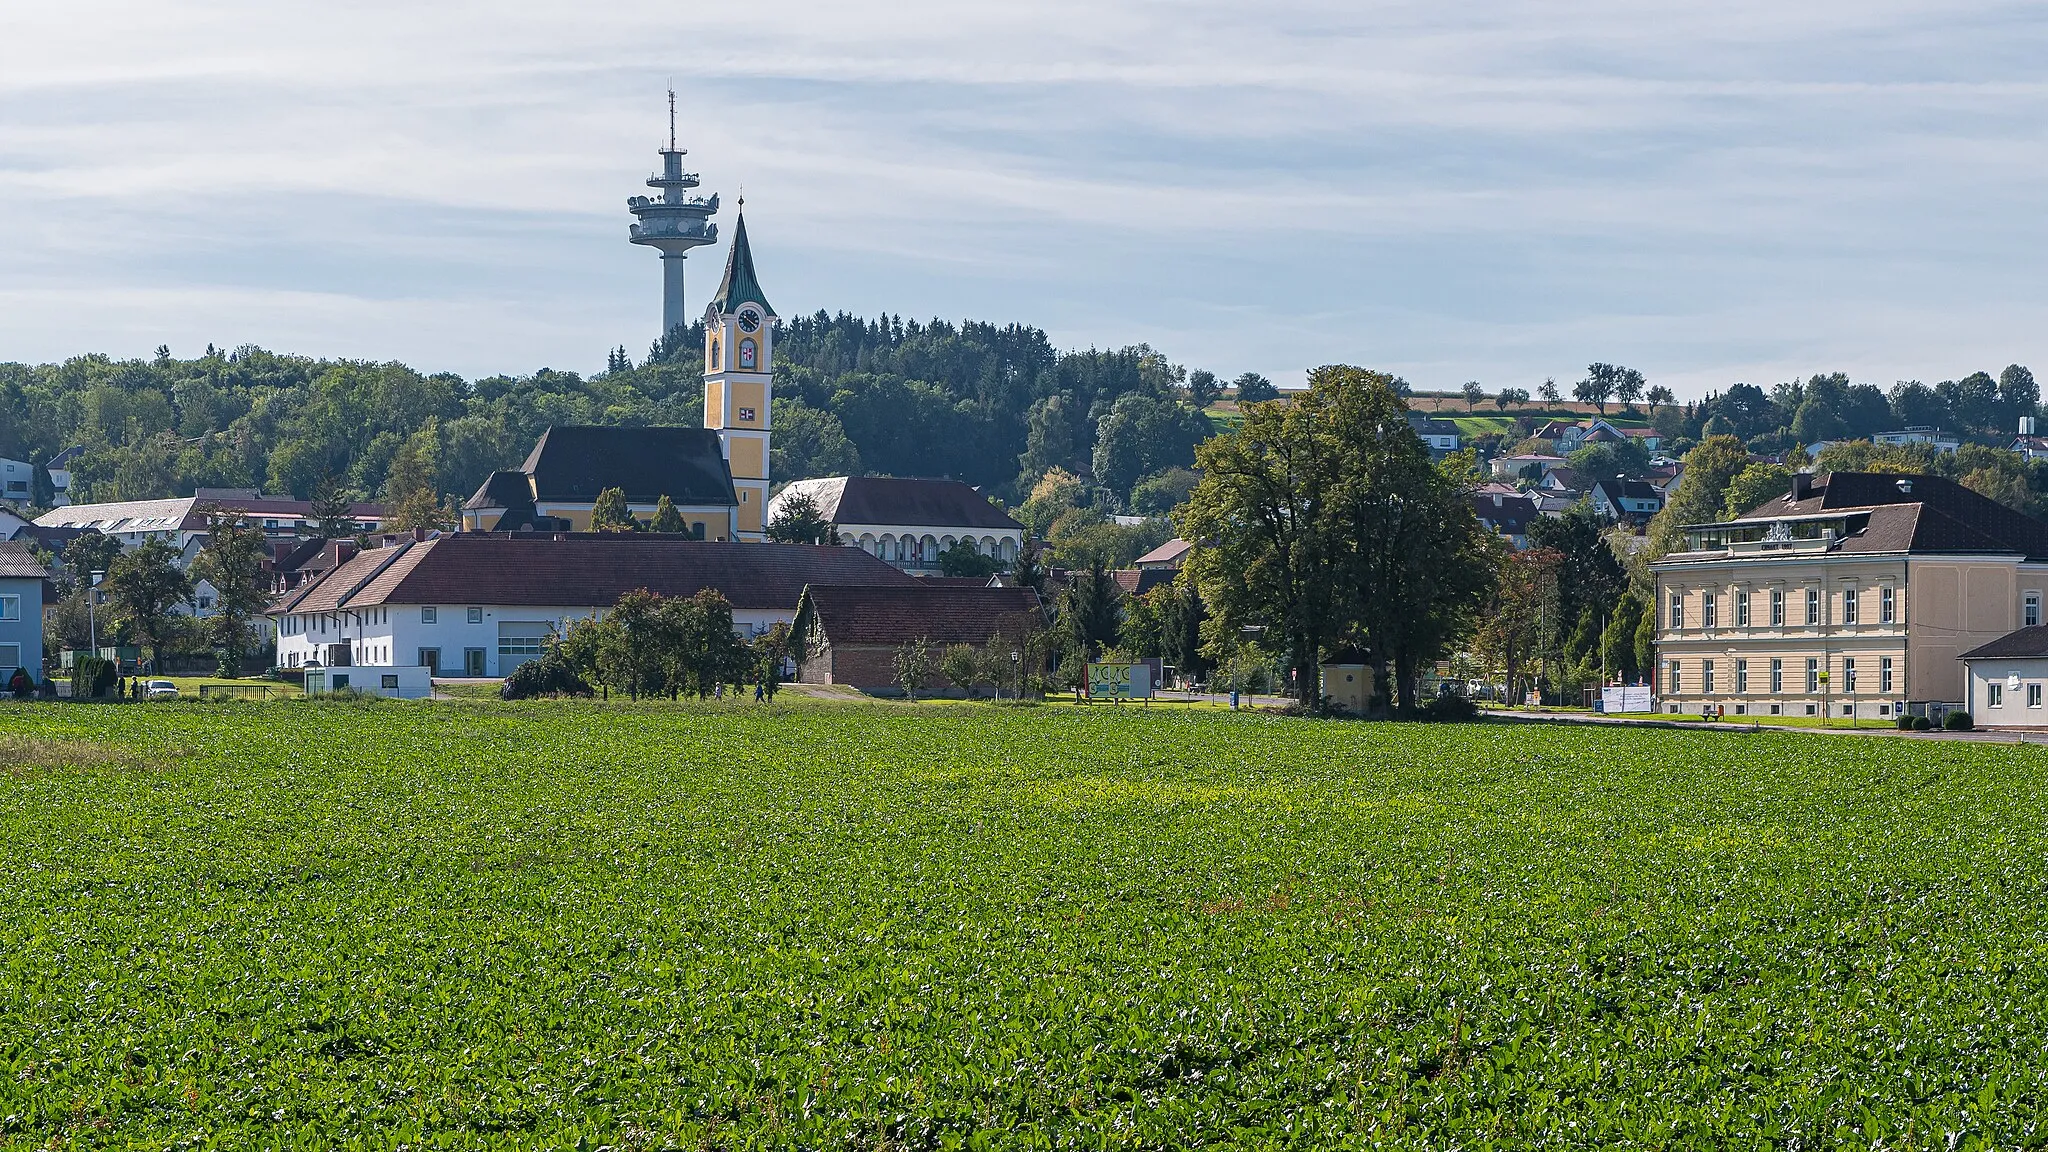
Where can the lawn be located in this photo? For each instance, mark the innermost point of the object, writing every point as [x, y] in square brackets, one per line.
[373, 925]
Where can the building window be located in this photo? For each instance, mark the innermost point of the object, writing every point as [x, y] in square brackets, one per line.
[1848, 674]
[1742, 608]
[1812, 607]
[2033, 695]
[1741, 676]
[519, 645]
[430, 615]
[1887, 607]
[1852, 604]
[746, 415]
[746, 355]
[10, 607]
[1710, 614]
[476, 615]
[1777, 609]
[430, 659]
[1707, 677]
[1777, 676]
[1812, 674]
[2030, 614]
[1994, 694]
[714, 354]
[1671, 677]
[1884, 674]
[1677, 610]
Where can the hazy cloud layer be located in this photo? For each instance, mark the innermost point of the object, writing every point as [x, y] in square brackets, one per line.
[1709, 192]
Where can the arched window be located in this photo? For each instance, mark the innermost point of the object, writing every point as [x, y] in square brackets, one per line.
[746, 355]
[713, 365]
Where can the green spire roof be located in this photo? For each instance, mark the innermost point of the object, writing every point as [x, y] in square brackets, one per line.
[740, 284]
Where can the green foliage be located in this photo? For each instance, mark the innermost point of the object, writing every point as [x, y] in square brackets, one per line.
[551, 675]
[797, 520]
[666, 517]
[611, 513]
[1957, 722]
[144, 586]
[1252, 388]
[1753, 486]
[913, 665]
[92, 677]
[964, 559]
[232, 561]
[1464, 936]
[651, 645]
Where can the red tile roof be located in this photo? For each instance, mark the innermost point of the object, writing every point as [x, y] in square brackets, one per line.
[942, 615]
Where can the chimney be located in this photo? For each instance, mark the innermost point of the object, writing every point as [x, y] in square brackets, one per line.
[344, 551]
[418, 535]
[1802, 485]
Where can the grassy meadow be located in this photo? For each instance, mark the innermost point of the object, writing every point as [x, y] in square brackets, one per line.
[808, 925]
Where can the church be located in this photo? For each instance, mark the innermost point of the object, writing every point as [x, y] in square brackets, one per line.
[716, 476]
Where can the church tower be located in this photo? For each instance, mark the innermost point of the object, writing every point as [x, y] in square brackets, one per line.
[739, 362]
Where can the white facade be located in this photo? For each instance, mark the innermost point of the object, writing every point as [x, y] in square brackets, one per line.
[2007, 691]
[473, 640]
[916, 547]
[1935, 437]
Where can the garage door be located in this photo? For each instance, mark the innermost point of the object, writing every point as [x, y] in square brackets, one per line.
[520, 641]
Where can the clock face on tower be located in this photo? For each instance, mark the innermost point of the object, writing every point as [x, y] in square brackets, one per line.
[749, 320]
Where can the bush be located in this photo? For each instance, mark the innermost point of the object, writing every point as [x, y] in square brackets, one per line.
[92, 677]
[1922, 724]
[1957, 722]
[21, 683]
[1450, 709]
[551, 675]
[1905, 722]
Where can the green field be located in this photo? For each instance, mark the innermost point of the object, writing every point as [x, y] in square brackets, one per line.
[321, 925]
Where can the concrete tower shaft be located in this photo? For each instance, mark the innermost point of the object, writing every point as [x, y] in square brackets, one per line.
[673, 223]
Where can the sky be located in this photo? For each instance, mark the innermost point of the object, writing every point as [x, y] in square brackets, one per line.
[1491, 191]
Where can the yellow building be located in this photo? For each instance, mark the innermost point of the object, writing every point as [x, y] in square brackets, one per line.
[739, 386]
[1853, 595]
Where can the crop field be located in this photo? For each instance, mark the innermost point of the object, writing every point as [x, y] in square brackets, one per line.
[477, 925]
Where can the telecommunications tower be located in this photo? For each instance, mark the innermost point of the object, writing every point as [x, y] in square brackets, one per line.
[673, 223]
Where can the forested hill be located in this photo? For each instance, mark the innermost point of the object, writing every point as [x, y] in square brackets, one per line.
[993, 405]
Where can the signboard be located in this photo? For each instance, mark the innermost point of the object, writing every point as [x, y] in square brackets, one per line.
[1626, 698]
[1119, 681]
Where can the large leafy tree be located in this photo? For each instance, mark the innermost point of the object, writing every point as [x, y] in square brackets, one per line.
[145, 586]
[1702, 491]
[798, 520]
[232, 562]
[1522, 616]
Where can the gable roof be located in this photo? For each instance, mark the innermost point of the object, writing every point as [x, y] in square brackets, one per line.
[740, 284]
[894, 500]
[1170, 554]
[1509, 515]
[187, 513]
[17, 562]
[2025, 642]
[585, 569]
[575, 463]
[1912, 513]
[940, 614]
[1138, 581]
[1622, 489]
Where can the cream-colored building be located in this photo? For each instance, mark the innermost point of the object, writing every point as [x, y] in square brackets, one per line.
[1851, 596]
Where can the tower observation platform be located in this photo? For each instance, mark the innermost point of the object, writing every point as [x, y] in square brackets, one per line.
[672, 223]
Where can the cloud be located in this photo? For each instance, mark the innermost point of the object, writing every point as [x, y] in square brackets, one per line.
[1707, 191]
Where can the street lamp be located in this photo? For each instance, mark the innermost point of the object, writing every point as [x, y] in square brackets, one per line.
[92, 623]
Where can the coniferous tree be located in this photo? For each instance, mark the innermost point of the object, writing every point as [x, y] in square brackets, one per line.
[666, 517]
[610, 513]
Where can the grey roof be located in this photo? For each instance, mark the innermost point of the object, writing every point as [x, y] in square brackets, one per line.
[1913, 513]
[575, 463]
[1617, 489]
[17, 562]
[894, 500]
[740, 284]
[2025, 642]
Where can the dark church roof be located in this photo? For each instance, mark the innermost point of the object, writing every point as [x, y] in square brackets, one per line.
[740, 284]
[895, 500]
[574, 464]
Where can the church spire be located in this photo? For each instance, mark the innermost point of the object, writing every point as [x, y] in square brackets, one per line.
[740, 285]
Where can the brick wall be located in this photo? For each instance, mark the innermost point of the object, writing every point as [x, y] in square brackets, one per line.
[865, 666]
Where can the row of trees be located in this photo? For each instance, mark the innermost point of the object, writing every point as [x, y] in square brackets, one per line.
[653, 645]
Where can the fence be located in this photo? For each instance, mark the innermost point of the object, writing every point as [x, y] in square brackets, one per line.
[237, 691]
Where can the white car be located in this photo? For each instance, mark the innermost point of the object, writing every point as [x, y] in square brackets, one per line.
[159, 690]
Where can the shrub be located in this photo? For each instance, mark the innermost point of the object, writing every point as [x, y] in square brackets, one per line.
[21, 683]
[1905, 722]
[1450, 709]
[1957, 722]
[551, 675]
[92, 677]
[1922, 724]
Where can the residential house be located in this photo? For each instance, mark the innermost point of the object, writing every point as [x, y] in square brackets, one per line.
[1853, 595]
[482, 603]
[557, 486]
[2004, 680]
[17, 482]
[1508, 514]
[1564, 480]
[1526, 465]
[12, 523]
[1442, 436]
[1625, 501]
[2031, 447]
[850, 635]
[1171, 554]
[908, 522]
[1920, 434]
[59, 469]
[23, 581]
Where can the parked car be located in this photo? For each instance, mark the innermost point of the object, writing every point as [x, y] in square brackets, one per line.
[159, 690]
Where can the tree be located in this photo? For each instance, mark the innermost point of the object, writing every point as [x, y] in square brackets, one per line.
[913, 665]
[1753, 486]
[144, 586]
[1702, 491]
[1089, 613]
[961, 665]
[1141, 435]
[1474, 392]
[1597, 388]
[809, 442]
[418, 509]
[1509, 397]
[232, 561]
[611, 514]
[964, 559]
[1628, 385]
[666, 517]
[797, 520]
[770, 651]
[1202, 388]
[1658, 396]
[1253, 388]
[1521, 620]
[333, 509]
[415, 466]
[2018, 392]
[1548, 390]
